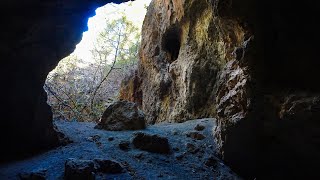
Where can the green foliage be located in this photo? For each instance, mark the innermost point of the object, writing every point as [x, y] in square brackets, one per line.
[82, 93]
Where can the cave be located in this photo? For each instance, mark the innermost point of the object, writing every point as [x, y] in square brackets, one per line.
[277, 139]
[171, 42]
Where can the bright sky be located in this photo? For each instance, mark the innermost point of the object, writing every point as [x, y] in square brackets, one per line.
[134, 11]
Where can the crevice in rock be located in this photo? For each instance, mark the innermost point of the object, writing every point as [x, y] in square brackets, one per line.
[171, 42]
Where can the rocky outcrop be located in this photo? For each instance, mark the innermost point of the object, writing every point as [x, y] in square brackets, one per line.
[178, 61]
[122, 115]
[35, 35]
[245, 63]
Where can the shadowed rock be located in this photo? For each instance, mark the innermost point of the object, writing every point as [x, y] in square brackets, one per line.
[151, 143]
[196, 135]
[37, 175]
[122, 115]
[108, 166]
[79, 169]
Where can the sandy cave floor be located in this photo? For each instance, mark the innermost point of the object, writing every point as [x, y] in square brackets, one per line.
[187, 161]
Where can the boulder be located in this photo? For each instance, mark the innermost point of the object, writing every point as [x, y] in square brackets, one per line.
[108, 166]
[122, 115]
[79, 169]
[124, 145]
[151, 143]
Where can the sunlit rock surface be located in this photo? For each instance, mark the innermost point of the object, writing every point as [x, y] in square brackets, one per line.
[240, 62]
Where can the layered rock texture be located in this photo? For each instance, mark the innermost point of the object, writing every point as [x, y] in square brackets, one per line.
[35, 35]
[252, 65]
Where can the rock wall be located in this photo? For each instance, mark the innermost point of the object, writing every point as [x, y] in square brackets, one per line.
[251, 65]
[184, 46]
[35, 35]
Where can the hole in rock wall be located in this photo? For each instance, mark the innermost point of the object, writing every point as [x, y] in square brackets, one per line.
[84, 83]
[171, 42]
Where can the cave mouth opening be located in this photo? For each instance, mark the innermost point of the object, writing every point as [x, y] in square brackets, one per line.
[85, 82]
[171, 42]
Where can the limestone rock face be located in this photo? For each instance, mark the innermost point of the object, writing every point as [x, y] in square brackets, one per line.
[122, 115]
[181, 53]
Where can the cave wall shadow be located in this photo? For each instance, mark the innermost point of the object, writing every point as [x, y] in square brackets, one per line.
[35, 35]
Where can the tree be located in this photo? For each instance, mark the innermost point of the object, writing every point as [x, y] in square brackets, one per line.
[82, 93]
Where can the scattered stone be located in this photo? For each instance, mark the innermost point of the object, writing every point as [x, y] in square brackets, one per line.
[192, 148]
[99, 144]
[160, 175]
[211, 162]
[196, 135]
[179, 156]
[138, 155]
[176, 149]
[37, 175]
[79, 169]
[151, 143]
[199, 127]
[130, 170]
[110, 138]
[124, 145]
[94, 138]
[122, 115]
[108, 166]
[175, 132]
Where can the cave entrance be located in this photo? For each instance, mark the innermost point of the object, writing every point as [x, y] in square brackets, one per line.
[88, 80]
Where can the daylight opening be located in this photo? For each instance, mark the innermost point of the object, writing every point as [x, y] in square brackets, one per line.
[84, 83]
[171, 42]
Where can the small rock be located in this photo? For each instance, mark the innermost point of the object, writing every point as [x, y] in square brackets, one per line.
[211, 162]
[151, 143]
[138, 155]
[175, 132]
[199, 127]
[124, 145]
[37, 175]
[160, 175]
[110, 138]
[175, 149]
[79, 169]
[108, 166]
[94, 138]
[192, 148]
[179, 156]
[196, 135]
